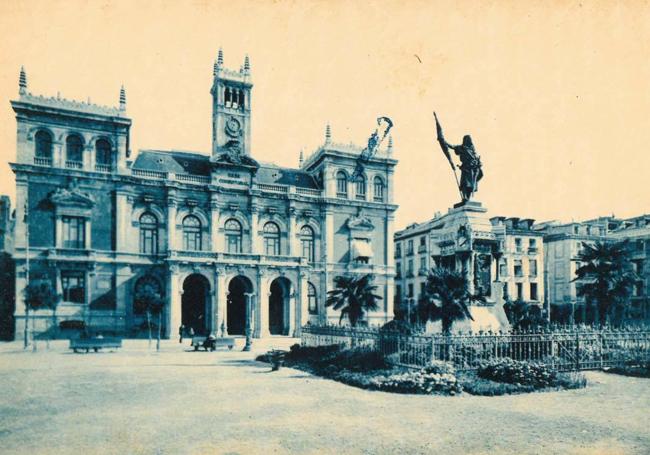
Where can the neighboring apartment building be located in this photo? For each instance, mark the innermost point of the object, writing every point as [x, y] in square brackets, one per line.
[637, 231]
[214, 233]
[521, 266]
[7, 270]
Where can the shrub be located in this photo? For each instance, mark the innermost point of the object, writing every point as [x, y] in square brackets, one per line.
[309, 354]
[360, 359]
[417, 381]
[518, 372]
[397, 326]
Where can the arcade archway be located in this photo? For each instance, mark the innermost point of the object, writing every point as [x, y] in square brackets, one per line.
[194, 304]
[279, 306]
[236, 306]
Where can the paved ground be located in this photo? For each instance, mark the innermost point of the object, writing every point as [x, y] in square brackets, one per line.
[175, 402]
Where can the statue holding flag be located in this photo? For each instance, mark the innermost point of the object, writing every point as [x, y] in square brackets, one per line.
[471, 170]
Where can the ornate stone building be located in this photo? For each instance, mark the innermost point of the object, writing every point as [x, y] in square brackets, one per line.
[214, 234]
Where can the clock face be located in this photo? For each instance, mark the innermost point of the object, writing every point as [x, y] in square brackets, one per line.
[233, 127]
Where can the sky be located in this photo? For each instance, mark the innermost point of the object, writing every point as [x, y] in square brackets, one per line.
[555, 94]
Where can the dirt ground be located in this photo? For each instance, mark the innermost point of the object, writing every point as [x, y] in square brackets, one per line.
[138, 401]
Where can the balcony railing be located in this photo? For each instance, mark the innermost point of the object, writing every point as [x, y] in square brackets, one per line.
[103, 168]
[423, 271]
[199, 179]
[74, 164]
[532, 250]
[42, 161]
[270, 188]
[308, 192]
[422, 249]
[149, 174]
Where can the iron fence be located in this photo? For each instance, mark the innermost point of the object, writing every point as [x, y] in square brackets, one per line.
[565, 349]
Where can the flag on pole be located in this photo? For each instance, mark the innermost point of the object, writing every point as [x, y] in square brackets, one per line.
[443, 143]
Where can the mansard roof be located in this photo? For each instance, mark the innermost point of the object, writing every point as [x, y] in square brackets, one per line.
[199, 164]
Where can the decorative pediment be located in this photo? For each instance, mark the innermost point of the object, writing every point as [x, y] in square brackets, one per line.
[71, 196]
[360, 223]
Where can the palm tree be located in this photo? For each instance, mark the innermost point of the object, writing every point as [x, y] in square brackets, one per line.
[605, 276]
[523, 315]
[353, 296]
[149, 301]
[41, 295]
[447, 297]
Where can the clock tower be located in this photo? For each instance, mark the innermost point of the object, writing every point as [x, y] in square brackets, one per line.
[231, 109]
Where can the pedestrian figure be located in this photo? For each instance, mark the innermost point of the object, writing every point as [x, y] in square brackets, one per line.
[181, 331]
[191, 332]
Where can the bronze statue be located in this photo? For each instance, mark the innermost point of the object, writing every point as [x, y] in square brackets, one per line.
[471, 170]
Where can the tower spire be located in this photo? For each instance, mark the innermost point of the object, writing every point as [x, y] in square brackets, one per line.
[301, 159]
[219, 63]
[328, 134]
[122, 98]
[247, 65]
[22, 82]
[215, 68]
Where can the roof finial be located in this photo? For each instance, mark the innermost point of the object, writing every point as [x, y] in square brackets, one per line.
[247, 65]
[301, 159]
[390, 143]
[328, 134]
[22, 82]
[122, 98]
[219, 58]
[215, 68]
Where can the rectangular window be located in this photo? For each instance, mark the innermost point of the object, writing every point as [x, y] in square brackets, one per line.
[505, 291]
[518, 245]
[422, 289]
[533, 291]
[398, 249]
[410, 267]
[272, 246]
[503, 267]
[74, 232]
[520, 291]
[74, 287]
[234, 243]
[410, 247]
[398, 293]
[410, 290]
[518, 268]
[423, 263]
[398, 270]
[423, 241]
[532, 267]
[308, 249]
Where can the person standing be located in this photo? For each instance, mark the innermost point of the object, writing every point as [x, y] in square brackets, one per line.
[181, 330]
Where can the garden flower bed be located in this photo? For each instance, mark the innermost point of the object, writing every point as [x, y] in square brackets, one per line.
[367, 369]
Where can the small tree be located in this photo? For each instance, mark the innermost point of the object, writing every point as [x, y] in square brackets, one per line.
[41, 295]
[149, 301]
[448, 297]
[605, 276]
[353, 296]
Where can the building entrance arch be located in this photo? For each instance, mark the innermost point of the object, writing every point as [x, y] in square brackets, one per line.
[238, 287]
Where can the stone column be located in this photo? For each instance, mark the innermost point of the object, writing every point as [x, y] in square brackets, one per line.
[262, 301]
[249, 320]
[174, 314]
[123, 298]
[291, 233]
[293, 302]
[171, 222]
[219, 300]
[88, 158]
[302, 303]
[390, 267]
[214, 223]
[58, 158]
[122, 214]
[255, 249]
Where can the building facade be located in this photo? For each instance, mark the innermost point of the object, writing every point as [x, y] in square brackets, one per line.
[521, 265]
[223, 238]
[564, 241]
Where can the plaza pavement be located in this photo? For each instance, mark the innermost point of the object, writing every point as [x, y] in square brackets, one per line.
[139, 401]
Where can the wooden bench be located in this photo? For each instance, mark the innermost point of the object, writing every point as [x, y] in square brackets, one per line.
[212, 343]
[86, 344]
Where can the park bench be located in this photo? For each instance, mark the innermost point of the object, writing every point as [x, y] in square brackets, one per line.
[86, 344]
[211, 343]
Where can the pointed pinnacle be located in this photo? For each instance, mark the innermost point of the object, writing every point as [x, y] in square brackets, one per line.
[22, 81]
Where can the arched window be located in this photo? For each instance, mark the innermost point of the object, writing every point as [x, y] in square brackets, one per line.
[307, 243]
[341, 184]
[147, 289]
[43, 141]
[148, 234]
[312, 299]
[360, 187]
[191, 233]
[271, 239]
[103, 152]
[233, 236]
[74, 150]
[378, 189]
